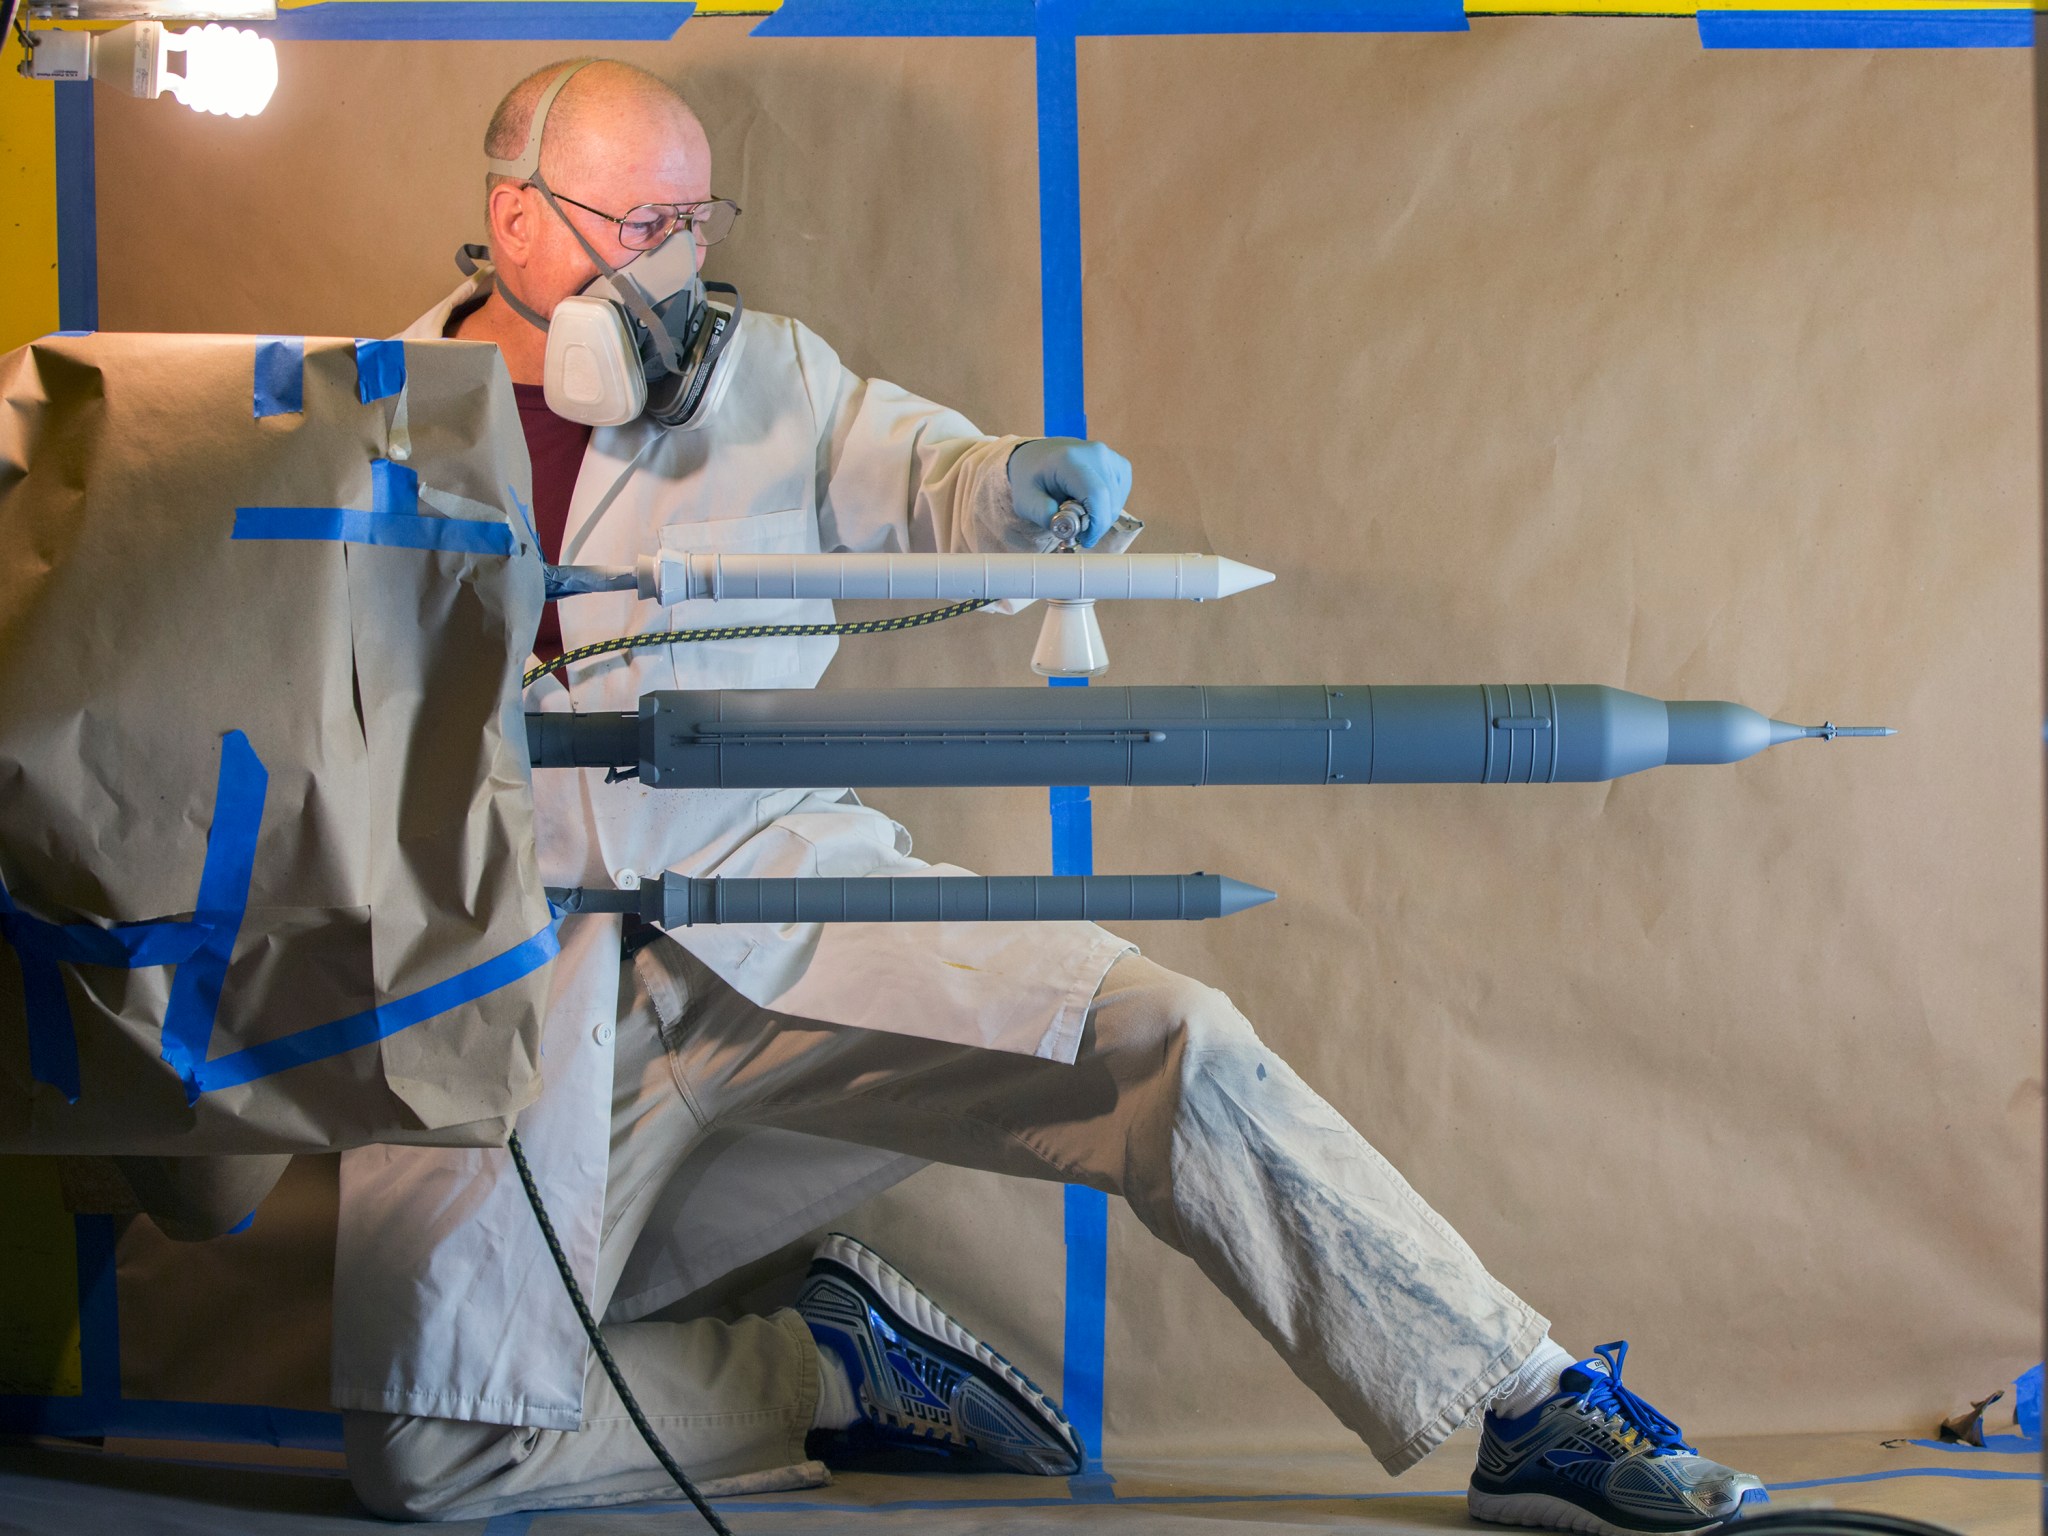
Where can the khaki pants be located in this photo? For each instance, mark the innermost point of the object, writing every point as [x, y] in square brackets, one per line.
[1221, 1150]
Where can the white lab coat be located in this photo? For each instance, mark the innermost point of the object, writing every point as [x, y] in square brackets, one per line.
[446, 1302]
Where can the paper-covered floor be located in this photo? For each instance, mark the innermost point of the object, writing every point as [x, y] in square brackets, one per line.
[52, 1490]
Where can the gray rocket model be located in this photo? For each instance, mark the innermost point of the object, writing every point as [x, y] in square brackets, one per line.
[1495, 733]
[1508, 733]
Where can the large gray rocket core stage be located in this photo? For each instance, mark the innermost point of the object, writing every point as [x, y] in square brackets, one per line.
[677, 901]
[1495, 733]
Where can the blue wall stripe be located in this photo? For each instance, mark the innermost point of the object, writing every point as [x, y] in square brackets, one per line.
[1867, 29]
[151, 1419]
[78, 240]
[903, 18]
[1105, 18]
[99, 1315]
[1085, 1211]
[1171, 18]
[1059, 235]
[361, 21]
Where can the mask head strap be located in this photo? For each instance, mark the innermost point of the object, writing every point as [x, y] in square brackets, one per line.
[527, 166]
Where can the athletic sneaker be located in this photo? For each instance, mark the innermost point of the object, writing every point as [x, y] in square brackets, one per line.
[1595, 1458]
[922, 1381]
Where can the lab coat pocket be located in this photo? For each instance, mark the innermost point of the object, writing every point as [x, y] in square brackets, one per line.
[759, 661]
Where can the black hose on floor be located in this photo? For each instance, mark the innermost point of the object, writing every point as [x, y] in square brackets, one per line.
[604, 1354]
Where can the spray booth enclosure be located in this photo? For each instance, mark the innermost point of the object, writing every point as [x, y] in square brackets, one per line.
[1557, 348]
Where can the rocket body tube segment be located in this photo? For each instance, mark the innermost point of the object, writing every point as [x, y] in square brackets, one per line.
[679, 901]
[1518, 733]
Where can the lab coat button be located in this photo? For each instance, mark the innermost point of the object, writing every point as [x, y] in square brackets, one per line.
[602, 1034]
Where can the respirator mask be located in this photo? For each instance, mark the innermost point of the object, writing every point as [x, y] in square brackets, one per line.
[642, 339]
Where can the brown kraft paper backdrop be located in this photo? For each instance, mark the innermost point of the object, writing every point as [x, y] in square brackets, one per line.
[1562, 351]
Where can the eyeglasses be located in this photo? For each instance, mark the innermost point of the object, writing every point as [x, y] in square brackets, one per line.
[647, 226]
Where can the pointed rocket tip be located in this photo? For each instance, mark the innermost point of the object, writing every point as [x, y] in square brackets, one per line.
[1234, 576]
[1238, 895]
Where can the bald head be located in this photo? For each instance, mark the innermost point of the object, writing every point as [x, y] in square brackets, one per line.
[606, 106]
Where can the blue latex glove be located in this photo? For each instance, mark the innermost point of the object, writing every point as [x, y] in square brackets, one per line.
[1049, 470]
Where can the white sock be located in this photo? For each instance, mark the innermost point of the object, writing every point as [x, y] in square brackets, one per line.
[838, 1408]
[1534, 1383]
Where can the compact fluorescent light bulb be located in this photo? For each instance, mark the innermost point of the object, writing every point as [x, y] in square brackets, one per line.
[228, 72]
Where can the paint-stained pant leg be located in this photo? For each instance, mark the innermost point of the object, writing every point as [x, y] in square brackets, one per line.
[1220, 1148]
[729, 1400]
[732, 1401]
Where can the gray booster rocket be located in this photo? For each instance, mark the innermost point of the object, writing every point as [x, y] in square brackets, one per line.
[1493, 733]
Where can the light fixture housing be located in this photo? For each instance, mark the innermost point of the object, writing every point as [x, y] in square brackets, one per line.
[228, 72]
[151, 10]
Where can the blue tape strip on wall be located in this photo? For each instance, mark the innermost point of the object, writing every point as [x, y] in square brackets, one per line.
[1867, 29]
[418, 21]
[280, 376]
[78, 240]
[92, 1418]
[1172, 18]
[1105, 18]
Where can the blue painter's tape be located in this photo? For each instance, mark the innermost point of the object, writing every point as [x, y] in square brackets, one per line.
[1105, 18]
[525, 517]
[1087, 1235]
[151, 1419]
[380, 369]
[1059, 238]
[52, 1038]
[394, 489]
[2026, 1403]
[419, 21]
[40, 947]
[902, 18]
[389, 530]
[321, 1041]
[1893, 1474]
[1867, 29]
[78, 240]
[1994, 1445]
[1086, 1211]
[223, 899]
[1172, 18]
[99, 1310]
[280, 375]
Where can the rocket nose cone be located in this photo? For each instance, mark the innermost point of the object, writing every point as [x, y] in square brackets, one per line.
[1237, 895]
[1234, 576]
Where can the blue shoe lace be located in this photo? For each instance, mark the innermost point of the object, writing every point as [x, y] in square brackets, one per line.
[1609, 1396]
